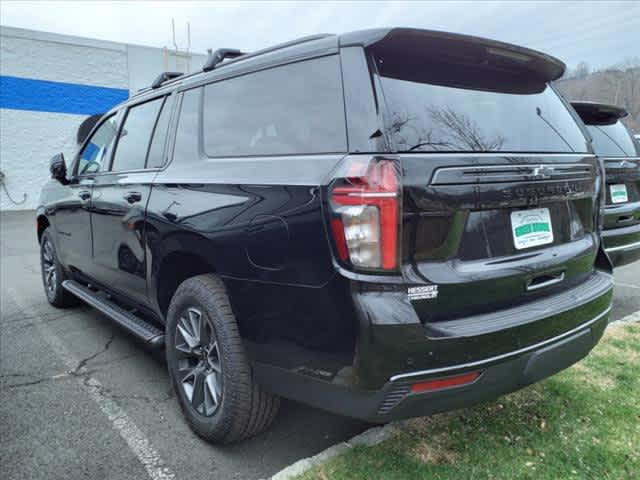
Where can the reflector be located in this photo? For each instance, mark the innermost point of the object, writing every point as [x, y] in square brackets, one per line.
[442, 383]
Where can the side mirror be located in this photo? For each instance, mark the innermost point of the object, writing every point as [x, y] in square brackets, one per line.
[58, 168]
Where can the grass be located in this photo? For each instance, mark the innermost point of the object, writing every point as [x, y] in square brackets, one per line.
[583, 423]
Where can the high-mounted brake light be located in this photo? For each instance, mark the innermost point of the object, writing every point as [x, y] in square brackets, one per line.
[365, 207]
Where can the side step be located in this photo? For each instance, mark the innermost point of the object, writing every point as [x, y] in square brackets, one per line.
[135, 325]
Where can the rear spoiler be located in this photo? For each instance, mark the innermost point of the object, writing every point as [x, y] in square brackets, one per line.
[594, 113]
[457, 60]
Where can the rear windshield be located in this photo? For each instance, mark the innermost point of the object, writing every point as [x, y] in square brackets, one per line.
[425, 117]
[613, 140]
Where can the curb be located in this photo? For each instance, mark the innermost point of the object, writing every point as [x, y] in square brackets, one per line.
[368, 438]
[633, 317]
[373, 436]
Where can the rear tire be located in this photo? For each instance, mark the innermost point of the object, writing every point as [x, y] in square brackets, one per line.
[208, 366]
[53, 274]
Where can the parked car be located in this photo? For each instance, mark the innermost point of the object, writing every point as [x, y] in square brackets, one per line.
[620, 152]
[383, 224]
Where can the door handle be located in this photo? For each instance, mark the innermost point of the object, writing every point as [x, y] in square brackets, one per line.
[133, 197]
[84, 195]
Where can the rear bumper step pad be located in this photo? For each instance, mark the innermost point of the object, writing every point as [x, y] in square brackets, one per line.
[530, 312]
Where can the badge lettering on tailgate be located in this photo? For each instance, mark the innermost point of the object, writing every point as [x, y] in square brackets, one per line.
[423, 293]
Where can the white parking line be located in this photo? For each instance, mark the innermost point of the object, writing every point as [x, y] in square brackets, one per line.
[137, 441]
[628, 285]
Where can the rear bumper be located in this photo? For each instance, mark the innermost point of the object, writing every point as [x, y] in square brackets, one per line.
[622, 244]
[394, 353]
[394, 401]
[500, 375]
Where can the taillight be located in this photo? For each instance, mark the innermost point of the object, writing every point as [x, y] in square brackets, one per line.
[365, 212]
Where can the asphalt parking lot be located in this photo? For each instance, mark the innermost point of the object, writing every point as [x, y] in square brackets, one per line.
[79, 398]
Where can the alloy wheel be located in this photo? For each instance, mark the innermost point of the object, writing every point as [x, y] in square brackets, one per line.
[199, 365]
[49, 273]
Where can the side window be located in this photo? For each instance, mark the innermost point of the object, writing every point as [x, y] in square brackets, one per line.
[187, 135]
[97, 151]
[292, 109]
[135, 135]
[155, 158]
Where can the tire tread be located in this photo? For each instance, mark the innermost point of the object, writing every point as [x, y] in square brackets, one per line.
[251, 410]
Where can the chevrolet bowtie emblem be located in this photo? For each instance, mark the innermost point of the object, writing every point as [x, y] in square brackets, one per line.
[543, 171]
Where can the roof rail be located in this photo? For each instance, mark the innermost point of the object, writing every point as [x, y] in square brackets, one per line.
[163, 77]
[244, 56]
[218, 56]
[280, 46]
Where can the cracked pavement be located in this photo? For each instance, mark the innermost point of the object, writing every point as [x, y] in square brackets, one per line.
[50, 424]
[52, 427]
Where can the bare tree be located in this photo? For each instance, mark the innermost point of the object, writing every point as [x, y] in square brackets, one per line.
[464, 132]
[450, 130]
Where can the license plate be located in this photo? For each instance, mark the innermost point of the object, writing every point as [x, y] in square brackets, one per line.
[531, 228]
[619, 193]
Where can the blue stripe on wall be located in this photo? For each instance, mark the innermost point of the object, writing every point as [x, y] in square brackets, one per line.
[18, 93]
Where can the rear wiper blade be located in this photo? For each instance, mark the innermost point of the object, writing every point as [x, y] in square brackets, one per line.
[612, 139]
[430, 144]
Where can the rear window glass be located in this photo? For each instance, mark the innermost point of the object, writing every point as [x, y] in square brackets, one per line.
[613, 140]
[425, 117]
[293, 109]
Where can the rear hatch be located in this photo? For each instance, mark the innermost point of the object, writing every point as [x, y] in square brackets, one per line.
[500, 193]
[620, 153]
[622, 192]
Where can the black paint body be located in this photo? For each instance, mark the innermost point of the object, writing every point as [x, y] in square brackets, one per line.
[316, 330]
[620, 153]
[621, 234]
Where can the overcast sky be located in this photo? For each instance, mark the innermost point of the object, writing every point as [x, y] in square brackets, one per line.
[602, 33]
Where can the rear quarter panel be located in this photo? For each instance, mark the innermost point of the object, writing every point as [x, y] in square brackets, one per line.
[250, 219]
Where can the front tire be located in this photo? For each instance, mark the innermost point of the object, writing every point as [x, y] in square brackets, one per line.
[208, 366]
[53, 274]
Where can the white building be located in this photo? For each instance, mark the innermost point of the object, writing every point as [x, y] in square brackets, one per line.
[49, 83]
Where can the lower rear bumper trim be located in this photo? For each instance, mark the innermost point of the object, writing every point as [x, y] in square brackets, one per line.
[504, 356]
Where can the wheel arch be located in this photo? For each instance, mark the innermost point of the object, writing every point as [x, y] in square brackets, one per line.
[175, 268]
[42, 222]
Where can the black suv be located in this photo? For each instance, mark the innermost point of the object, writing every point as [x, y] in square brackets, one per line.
[621, 155]
[383, 224]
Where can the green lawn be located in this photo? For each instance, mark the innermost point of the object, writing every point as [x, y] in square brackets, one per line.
[581, 423]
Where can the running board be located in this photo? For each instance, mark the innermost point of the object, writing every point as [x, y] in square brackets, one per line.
[130, 322]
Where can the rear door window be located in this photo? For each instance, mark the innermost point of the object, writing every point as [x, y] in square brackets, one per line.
[291, 109]
[135, 136]
[187, 143]
[613, 140]
[429, 113]
[155, 158]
